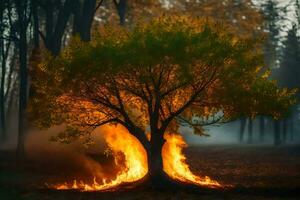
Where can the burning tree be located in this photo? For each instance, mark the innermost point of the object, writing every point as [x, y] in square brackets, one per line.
[170, 72]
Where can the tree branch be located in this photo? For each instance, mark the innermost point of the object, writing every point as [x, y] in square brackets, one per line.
[42, 36]
[98, 5]
[183, 121]
[188, 103]
[98, 124]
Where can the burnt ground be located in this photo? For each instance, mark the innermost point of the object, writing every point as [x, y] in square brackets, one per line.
[256, 172]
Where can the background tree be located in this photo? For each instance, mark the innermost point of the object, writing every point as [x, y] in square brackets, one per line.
[23, 24]
[272, 26]
[4, 48]
[246, 20]
[173, 71]
[23, 21]
[276, 52]
[289, 73]
[58, 15]
[8, 57]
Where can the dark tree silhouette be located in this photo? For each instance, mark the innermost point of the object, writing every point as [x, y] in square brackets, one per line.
[23, 21]
[272, 18]
[289, 74]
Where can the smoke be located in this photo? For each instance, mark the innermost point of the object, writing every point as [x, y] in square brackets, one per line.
[223, 134]
[9, 143]
[66, 161]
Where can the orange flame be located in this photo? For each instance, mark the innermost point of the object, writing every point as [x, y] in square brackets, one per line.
[174, 162]
[135, 159]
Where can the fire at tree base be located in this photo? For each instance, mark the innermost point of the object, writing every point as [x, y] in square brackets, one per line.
[132, 163]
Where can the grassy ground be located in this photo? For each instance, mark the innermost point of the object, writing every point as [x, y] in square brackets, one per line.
[257, 172]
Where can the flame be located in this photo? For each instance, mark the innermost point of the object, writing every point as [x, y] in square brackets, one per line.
[133, 165]
[174, 163]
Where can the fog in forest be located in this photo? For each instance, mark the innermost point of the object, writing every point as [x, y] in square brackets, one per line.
[38, 142]
[230, 133]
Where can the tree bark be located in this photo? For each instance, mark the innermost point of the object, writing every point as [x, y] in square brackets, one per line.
[61, 23]
[250, 131]
[83, 18]
[284, 129]
[277, 132]
[35, 17]
[3, 70]
[155, 160]
[156, 176]
[49, 9]
[121, 8]
[242, 129]
[23, 75]
[262, 128]
[292, 128]
[5, 81]
[55, 29]
[87, 17]
[2, 102]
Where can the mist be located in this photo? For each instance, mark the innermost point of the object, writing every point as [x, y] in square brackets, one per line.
[230, 134]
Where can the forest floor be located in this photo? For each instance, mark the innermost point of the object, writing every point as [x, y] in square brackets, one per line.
[256, 172]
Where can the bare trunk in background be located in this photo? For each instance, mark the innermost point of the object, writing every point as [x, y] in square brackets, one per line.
[21, 6]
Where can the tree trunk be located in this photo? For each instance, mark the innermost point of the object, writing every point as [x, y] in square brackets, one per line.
[276, 132]
[250, 131]
[83, 18]
[61, 23]
[155, 160]
[23, 75]
[262, 128]
[292, 129]
[77, 12]
[156, 177]
[121, 8]
[3, 70]
[49, 26]
[22, 97]
[284, 129]
[12, 105]
[55, 29]
[4, 82]
[2, 102]
[35, 16]
[242, 129]
[87, 17]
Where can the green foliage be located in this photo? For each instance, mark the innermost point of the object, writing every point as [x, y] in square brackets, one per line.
[154, 73]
